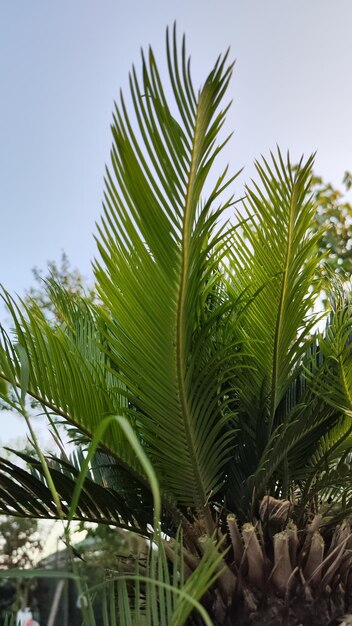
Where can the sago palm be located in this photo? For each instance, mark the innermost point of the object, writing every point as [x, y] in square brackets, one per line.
[206, 341]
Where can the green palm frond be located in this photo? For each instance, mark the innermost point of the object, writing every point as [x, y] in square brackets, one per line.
[333, 379]
[274, 255]
[314, 431]
[144, 355]
[329, 475]
[56, 360]
[69, 370]
[157, 241]
[122, 502]
[271, 267]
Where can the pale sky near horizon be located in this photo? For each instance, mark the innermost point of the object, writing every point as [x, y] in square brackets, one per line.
[62, 64]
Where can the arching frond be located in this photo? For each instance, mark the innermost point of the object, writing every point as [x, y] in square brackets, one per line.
[274, 255]
[271, 267]
[122, 502]
[157, 240]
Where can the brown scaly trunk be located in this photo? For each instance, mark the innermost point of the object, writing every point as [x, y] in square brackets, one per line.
[284, 576]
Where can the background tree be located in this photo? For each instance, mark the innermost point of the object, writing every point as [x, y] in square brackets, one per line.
[71, 279]
[20, 548]
[20, 543]
[333, 220]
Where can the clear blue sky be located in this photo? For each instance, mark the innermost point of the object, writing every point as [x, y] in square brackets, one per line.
[62, 63]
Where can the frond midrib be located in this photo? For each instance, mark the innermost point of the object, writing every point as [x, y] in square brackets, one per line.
[201, 495]
[280, 316]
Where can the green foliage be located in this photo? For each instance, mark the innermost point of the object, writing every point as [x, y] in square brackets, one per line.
[20, 546]
[333, 220]
[69, 278]
[205, 332]
[20, 542]
[9, 620]
[201, 371]
[3, 388]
